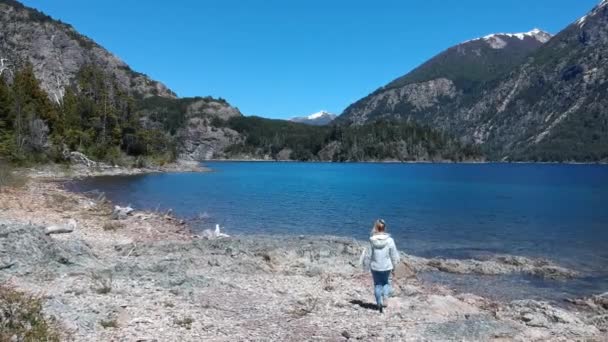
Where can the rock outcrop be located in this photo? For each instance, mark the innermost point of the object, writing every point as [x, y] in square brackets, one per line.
[499, 264]
[199, 140]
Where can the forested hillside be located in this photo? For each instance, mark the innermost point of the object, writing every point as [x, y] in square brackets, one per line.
[95, 117]
[377, 141]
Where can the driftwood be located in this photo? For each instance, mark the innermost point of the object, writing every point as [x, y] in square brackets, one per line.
[62, 229]
[79, 158]
[58, 230]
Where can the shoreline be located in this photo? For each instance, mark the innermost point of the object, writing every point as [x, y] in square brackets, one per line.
[497, 162]
[163, 276]
[77, 171]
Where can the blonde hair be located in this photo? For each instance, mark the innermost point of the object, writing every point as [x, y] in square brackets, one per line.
[379, 226]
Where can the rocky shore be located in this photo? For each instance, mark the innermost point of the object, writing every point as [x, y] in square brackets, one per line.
[146, 277]
[84, 168]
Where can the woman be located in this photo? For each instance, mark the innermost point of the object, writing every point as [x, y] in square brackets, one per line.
[383, 259]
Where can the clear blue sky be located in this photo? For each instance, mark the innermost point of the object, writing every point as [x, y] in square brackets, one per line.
[285, 58]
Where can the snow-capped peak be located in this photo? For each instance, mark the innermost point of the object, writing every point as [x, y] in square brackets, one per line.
[318, 114]
[537, 34]
[497, 40]
[319, 118]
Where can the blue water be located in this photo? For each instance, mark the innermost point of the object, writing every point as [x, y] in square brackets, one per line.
[558, 212]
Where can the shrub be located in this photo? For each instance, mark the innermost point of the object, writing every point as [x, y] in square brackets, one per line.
[186, 322]
[109, 323]
[102, 282]
[21, 318]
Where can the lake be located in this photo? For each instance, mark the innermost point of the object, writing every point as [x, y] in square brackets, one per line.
[555, 211]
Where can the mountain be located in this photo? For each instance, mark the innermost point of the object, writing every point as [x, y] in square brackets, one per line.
[318, 119]
[431, 92]
[57, 52]
[61, 92]
[519, 96]
[554, 106]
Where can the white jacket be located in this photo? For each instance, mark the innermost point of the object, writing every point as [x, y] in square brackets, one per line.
[383, 252]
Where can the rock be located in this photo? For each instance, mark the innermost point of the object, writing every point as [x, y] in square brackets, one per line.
[214, 234]
[501, 264]
[405, 271]
[345, 334]
[200, 141]
[30, 250]
[539, 314]
[121, 213]
[600, 321]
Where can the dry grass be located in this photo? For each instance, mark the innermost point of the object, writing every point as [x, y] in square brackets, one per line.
[61, 201]
[113, 226]
[304, 307]
[9, 178]
[328, 282]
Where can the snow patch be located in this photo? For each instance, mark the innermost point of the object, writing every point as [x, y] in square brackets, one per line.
[581, 22]
[496, 40]
[318, 115]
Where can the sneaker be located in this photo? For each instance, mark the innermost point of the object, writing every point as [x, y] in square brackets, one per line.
[385, 302]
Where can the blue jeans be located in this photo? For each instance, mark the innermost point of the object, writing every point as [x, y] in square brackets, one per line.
[382, 286]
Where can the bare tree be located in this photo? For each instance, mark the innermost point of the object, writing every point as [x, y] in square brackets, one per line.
[4, 66]
[38, 135]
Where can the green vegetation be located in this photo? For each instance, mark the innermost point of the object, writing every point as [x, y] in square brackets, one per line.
[582, 137]
[269, 137]
[379, 140]
[21, 318]
[469, 65]
[95, 117]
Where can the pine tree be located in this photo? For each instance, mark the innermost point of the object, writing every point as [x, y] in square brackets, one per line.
[6, 122]
[33, 113]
